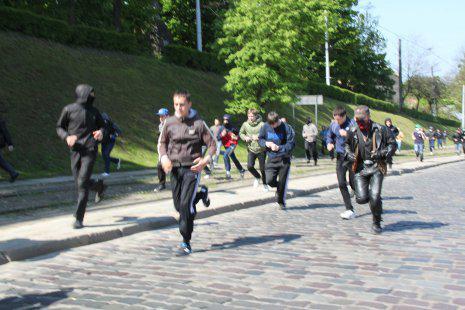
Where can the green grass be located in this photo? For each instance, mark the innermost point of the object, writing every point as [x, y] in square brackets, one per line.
[38, 77]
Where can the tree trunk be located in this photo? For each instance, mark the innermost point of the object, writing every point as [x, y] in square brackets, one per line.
[418, 103]
[117, 5]
[72, 12]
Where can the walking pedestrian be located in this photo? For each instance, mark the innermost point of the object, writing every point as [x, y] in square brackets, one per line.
[279, 140]
[368, 146]
[394, 131]
[439, 138]
[110, 133]
[431, 135]
[457, 137]
[215, 130]
[335, 140]
[6, 141]
[180, 151]
[229, 138]
[399, 139]
[419, 138]
[310, 134]
[163, 114]
[81, 126]
[249, 133]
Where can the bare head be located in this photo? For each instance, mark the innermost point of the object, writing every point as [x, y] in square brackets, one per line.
[252, 115]
[273, 119]
[362, 114]
[182, 103]
[217, 122]
[388, 122]
[340, 115]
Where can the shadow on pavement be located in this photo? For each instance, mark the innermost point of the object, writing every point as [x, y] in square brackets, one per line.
[412, 225]
[403, 212]
[34, 301]
[244, 241]
[315, 206]
[398, 198]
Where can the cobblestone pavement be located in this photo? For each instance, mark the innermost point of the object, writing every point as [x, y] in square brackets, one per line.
[304, 257]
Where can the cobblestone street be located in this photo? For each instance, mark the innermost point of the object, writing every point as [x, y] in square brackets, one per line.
[263, 257]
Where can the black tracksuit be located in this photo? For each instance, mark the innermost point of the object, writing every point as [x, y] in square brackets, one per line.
[5, 140]
[278, 164]
[82, 119]
[367, 162]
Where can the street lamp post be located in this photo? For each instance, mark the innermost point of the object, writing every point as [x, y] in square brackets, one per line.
[199, 25]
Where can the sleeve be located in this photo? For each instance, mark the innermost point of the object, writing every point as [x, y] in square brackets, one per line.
[6, 133]
[243, 133]
[117, 129]
[330, 135]
[348, 153]
[262, 137]
[163, 141]
[99, 122]
[303, 132]
[208, 139]
[391, 144]
[62, 124]
[290, 141]
[218, 134]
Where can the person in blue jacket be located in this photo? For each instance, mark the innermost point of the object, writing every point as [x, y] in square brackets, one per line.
[278, 138]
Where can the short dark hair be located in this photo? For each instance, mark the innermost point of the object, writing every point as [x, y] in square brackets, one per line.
[182, 93]
[339, 111]
[272, 117]
[252, 111]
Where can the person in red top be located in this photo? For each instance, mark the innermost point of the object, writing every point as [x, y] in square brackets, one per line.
[229, 136]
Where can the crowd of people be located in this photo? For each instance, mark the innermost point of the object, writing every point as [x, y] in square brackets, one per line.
[362, 148]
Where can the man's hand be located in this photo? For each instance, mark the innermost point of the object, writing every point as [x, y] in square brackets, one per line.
[270, 145]
[330, 147]
[11, 148]
[234, 137]
[224, 132]
[200, 163]
[71, 140]
[247, 139]
[98, 135]
[343, 133]
[166, 164]
[255, 138]
[350, 157]
[275, 148]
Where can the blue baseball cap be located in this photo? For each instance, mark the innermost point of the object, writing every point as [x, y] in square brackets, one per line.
[163, 112]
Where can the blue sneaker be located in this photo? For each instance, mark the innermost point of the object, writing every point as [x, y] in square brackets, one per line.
[185, 248]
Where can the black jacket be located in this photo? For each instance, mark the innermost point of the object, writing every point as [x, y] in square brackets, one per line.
[112, 131]
[5, 138]
[394, 130]
[385, 145]
[81, 119]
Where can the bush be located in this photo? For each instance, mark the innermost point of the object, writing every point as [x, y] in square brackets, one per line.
[188, 57]
[59, 31]
[348, 96]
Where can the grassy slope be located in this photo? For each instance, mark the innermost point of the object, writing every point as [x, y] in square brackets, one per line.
[37, 78]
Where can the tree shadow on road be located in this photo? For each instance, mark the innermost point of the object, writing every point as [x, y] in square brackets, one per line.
[255, 240]
[398, 198]
[413, 225]
[34, 301]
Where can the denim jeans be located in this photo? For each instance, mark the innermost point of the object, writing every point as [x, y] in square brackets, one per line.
[418, 148]
[229, 153]
[106, 150]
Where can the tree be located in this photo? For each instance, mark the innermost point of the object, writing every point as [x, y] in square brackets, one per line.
[270, 48]
[429, 88]
[117, 6]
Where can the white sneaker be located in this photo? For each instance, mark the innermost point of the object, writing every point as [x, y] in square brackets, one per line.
[266, 189]
[105, 174]
[118, 165]
[256, 182]
[348, 215]
[228, 175]
[207, 176]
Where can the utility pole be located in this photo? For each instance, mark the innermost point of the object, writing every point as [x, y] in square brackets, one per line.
[463, 106]
[328, 82]
[401, 95]
[433, 93]
[199, 25]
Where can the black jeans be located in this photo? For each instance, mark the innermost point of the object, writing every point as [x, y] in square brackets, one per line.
[311, 151]
[277, 174]
[184, 184]
[82, 164]
[261, 163]
[106, 151]
[368, 190]
[7, 167]
[341, 172]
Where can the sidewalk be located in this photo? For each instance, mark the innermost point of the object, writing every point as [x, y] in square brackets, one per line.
[38, 237]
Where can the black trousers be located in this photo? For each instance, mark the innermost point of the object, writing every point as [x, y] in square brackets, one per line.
[82, 164]
[341, 172]
[261, 163]
[161, 174]
[311, 151]
[368, 190]
[6, 166]
[277, 174]
[184, 184]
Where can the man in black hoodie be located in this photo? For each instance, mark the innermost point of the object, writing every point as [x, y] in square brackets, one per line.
[5, 141]
[81, 126]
